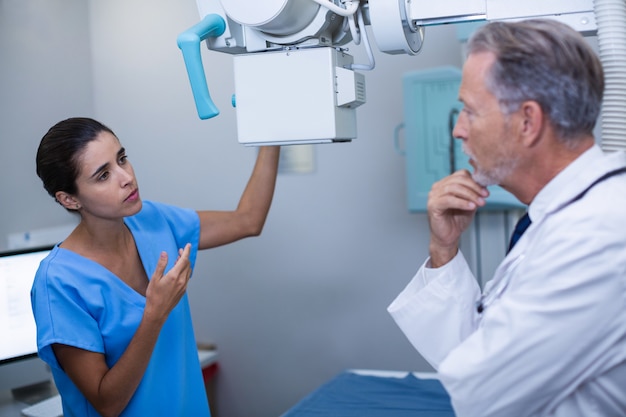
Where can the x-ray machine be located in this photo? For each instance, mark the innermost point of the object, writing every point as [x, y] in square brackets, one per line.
[294, 80]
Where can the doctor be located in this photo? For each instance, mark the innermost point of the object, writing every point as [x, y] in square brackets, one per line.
[548, 335]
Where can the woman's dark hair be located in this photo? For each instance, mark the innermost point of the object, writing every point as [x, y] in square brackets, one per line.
[59, 152]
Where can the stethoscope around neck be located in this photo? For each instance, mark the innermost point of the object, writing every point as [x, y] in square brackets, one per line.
[487, 298]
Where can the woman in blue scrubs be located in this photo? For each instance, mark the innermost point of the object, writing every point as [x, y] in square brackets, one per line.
[110, 302]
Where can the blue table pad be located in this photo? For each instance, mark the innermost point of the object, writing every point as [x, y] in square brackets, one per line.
[353, 395]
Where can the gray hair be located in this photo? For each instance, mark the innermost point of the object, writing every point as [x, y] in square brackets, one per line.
[548, 62]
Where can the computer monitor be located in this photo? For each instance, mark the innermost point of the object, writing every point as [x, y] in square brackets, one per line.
[19, 364]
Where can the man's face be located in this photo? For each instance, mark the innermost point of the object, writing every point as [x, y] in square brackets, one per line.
[482, 126]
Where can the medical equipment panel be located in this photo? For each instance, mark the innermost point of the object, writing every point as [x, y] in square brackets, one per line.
[275, 104]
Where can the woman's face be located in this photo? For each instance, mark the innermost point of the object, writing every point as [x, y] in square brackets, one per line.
[106, 182]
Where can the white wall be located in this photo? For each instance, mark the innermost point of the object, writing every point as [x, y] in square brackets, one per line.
[45, 75]
[292, 308]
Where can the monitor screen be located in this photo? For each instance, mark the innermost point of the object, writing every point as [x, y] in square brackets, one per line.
[17, 325]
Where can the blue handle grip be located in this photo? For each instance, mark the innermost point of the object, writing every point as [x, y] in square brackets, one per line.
[212, 25]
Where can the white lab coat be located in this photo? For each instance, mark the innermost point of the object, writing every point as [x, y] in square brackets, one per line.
[553, 341]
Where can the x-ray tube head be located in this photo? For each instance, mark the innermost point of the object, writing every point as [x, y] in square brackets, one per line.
[275, 17]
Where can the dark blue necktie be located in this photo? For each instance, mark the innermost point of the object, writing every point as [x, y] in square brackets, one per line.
[520, 228]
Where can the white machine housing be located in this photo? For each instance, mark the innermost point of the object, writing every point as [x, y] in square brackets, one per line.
[294, 81]
[273, 101]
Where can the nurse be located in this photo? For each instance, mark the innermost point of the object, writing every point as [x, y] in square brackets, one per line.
[548, 335]
[110, 302]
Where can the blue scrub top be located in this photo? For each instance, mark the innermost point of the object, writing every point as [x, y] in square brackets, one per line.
[78, 302]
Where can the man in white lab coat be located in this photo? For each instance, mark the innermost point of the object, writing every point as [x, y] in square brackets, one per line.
[548, 335]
